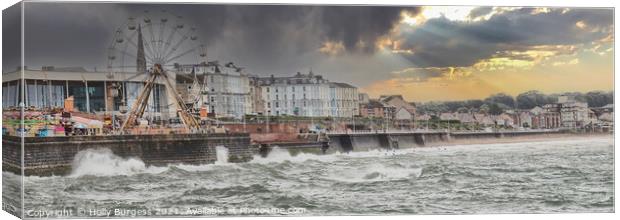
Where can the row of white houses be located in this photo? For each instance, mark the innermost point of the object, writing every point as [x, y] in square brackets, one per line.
[228, 93]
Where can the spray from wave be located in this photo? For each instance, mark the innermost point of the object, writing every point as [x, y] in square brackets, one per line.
[221, 153]
[103, 162]
[279, 155]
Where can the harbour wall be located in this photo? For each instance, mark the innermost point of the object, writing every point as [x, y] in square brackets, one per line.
[46, 156]
[368, 141]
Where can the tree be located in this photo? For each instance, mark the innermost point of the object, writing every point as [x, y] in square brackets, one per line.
[501, 98]
[531, 99]
[495, 109]
[598, 98]
[484, 109]
[474, 103]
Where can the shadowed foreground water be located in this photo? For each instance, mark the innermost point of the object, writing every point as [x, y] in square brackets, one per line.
[537, 177]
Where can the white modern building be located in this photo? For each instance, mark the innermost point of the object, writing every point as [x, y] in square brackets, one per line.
[94, 92]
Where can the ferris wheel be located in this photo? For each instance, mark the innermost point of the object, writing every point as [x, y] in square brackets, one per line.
[151, 38]
[148, 46]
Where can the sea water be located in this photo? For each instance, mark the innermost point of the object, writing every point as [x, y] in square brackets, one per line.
[531, 177]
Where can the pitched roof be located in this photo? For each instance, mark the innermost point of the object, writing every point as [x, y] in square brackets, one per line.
[373, 103]
[387, 98]
[343, 85]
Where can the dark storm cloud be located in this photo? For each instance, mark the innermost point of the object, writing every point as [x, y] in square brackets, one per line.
[265, 38]
[74, 34]
[280, 39]
[555, 27]
[480, 11]
[11, 38]
[441, 42]
[352, 25]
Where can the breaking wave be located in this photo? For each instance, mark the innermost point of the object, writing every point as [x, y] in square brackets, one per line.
[375, 172]
[222, 155]
[103, 162]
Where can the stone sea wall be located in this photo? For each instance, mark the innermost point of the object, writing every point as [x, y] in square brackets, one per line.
[54, 155]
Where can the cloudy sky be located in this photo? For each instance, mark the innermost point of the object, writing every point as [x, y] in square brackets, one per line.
[423, 53]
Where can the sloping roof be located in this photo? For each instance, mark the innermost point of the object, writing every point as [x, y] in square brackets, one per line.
[387, 98]
[608, 106]
[399, 114]
[466, 117]
[448, 116]
[342, 85]
[373, 103]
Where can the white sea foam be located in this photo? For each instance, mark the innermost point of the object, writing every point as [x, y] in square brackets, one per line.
[222, 155]
[278, 155]
[102, 162]
[374, 172]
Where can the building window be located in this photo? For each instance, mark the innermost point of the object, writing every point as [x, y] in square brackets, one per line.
[96, 96]
[277, 104]
[77, 90]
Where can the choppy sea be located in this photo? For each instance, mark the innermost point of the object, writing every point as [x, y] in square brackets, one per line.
[562, 176]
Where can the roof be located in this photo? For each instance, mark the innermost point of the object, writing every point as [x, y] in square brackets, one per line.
[387, 98]
[373, 103]
[466, 117]
[76, 76]
[448, 116]
[342, 85]
[69, 69]
[608, 106]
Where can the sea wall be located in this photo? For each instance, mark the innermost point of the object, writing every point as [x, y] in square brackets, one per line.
[54, 155]
[367, 141]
